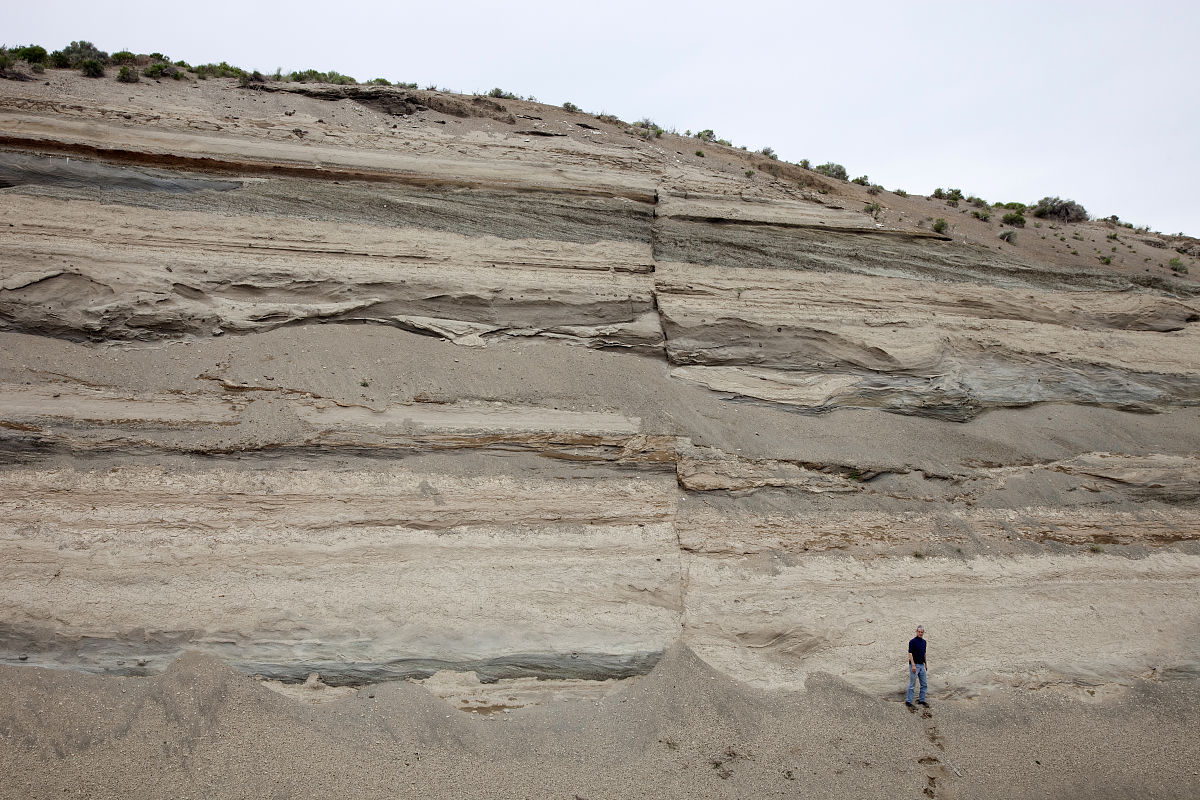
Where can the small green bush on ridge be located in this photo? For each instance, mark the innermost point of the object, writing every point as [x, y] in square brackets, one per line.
[832, 170]
[75, 54]
[1064, 210]
[30, 54]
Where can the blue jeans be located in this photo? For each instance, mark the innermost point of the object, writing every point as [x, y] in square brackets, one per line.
[912, 682]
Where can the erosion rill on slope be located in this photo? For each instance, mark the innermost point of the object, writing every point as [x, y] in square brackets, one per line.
[407, 390]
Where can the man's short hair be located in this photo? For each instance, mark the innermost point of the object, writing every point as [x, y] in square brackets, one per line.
[920, 627]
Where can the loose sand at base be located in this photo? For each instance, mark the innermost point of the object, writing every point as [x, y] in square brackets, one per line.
[682, 731]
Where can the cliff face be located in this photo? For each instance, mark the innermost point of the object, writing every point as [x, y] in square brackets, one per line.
[383, 382]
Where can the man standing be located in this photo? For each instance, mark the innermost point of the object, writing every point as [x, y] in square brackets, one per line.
[916, 668]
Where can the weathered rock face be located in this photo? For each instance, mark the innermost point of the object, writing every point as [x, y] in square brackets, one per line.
[378, 402]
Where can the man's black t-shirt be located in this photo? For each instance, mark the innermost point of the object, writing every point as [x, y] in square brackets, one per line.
[916, 646]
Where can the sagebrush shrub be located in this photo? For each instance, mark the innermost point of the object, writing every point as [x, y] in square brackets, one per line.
[1057, 208]
[30, 54]
[832, 170]
[222, 70]
[122, 57]
[74, 54]
[310, 76]
[862, 180]
[648, 128]
[940, 225]
[92, 68]
[128, 74]
[571, 107]
[1013, 218]
[162, 70]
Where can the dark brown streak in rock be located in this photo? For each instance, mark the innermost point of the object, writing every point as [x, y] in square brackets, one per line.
[293, 170]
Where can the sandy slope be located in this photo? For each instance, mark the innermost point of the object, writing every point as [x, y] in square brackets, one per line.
[380, 391]
[681, 731]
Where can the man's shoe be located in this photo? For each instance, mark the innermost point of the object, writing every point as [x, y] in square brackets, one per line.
[910, 706]
[922, 703]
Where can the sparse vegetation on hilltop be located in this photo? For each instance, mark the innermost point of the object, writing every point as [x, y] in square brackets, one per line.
[91, 61]
[313, 76]
[648, 128]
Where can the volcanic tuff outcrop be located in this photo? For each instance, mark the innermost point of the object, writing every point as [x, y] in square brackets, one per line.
[378, 384]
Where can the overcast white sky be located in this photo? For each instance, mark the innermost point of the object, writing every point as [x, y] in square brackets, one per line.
[1094, 101]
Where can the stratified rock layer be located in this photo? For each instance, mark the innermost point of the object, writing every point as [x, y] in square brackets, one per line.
[332, 396]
